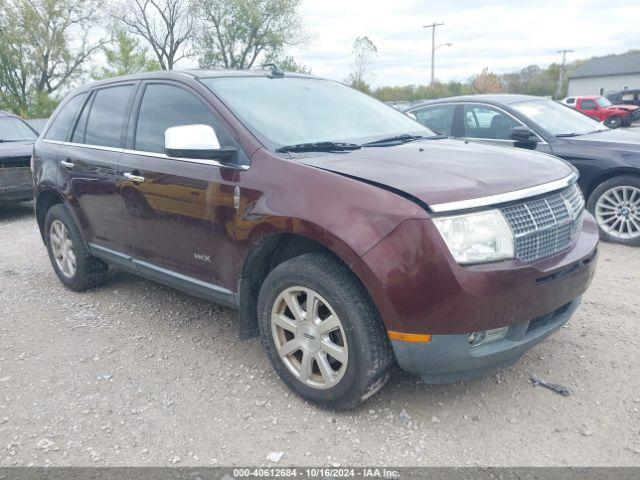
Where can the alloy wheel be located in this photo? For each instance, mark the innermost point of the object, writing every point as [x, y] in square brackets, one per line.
[62, 247]
[618, 212]
[309, 337]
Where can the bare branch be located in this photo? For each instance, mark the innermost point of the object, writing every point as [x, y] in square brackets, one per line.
[166, 25]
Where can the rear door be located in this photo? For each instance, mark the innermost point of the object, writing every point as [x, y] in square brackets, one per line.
[89, 162]
[180, 212]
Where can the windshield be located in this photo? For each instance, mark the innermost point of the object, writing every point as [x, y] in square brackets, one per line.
[294, 110]
[557, 119]
[13, 129]
[603, 102]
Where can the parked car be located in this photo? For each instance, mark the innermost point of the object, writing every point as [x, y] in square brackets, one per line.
[16, 144]
[625, 97]
[608, 160]
[349, 236]
[603, 110]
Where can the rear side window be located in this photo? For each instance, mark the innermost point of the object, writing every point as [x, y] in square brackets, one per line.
[571, 101]
[437, 118]
[165, 106]
[61, 126]
[107, 115]
[81, 124]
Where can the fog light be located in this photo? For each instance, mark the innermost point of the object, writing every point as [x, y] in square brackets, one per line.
[487, 336]
[476, 338]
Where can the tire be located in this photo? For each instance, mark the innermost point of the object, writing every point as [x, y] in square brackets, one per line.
[364, 345]
[613, 122]
[602, 204]
[89, 272]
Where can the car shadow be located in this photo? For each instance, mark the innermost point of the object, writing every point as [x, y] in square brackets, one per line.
[15, 211]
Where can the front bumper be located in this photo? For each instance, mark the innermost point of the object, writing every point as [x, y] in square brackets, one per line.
[425, 292]
[15, 184]
[450, 358]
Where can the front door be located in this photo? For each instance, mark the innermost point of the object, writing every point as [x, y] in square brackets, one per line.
[590, 107]
[180, 212]
[486, 124]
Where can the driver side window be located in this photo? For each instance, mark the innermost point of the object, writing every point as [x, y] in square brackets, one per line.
[164, 106]
[486, 122]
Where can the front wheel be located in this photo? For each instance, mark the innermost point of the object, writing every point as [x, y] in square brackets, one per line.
[322, 333]
[613, 122]
[615, 204]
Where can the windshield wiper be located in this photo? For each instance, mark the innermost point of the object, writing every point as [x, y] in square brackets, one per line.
[3, 140]
[398, 139]
[319, 147]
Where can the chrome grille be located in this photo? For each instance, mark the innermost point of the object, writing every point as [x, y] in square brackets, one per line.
[547, 224]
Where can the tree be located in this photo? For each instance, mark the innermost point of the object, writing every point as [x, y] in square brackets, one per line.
[44, 46]
[239, 33]
[166, 25]
[486, 82]
[364, 51]
[126, 57]
[289, 64]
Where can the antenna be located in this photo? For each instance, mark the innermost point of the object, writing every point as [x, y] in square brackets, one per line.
[275, 70]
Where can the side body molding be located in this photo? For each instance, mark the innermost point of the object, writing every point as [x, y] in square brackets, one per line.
[192, 286]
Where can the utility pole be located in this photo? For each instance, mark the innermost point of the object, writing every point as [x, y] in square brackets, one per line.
[433, 47]
[562, 71]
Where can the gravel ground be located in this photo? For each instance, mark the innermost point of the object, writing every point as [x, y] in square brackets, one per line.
[137, 374]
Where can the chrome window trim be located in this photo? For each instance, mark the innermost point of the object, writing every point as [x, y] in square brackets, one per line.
[542, 140]
[505, 197]
[213, 163]
[82, 145]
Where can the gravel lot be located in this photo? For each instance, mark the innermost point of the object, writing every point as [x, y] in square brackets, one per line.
[137, 374]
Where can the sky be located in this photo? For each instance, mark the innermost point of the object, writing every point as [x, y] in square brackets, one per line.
[503, 36]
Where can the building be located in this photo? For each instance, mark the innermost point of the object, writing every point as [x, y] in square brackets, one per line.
[603, 75]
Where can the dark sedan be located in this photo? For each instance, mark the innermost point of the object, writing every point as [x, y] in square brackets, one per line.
[608, 160]
[16, 145]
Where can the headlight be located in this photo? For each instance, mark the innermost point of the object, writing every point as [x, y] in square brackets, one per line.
[477, 237]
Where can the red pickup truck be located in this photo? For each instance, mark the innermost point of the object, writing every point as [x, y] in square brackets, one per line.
[602, 109]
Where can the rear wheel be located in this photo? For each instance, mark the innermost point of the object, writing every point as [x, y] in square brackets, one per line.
[615, 204]
[76, 268]
[613, 122]
[322, 333]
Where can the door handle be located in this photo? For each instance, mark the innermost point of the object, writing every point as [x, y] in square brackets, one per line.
[67, 164]
[133, 178]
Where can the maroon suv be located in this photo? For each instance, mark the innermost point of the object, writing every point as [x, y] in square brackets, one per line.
[348, 236]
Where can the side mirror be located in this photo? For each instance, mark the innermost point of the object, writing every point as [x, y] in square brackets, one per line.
[197, 142]
[524, 137]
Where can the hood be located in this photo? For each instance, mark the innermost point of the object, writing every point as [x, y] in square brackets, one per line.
[630, 108]
[15, 150]
[618, 139]
[443, 171]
